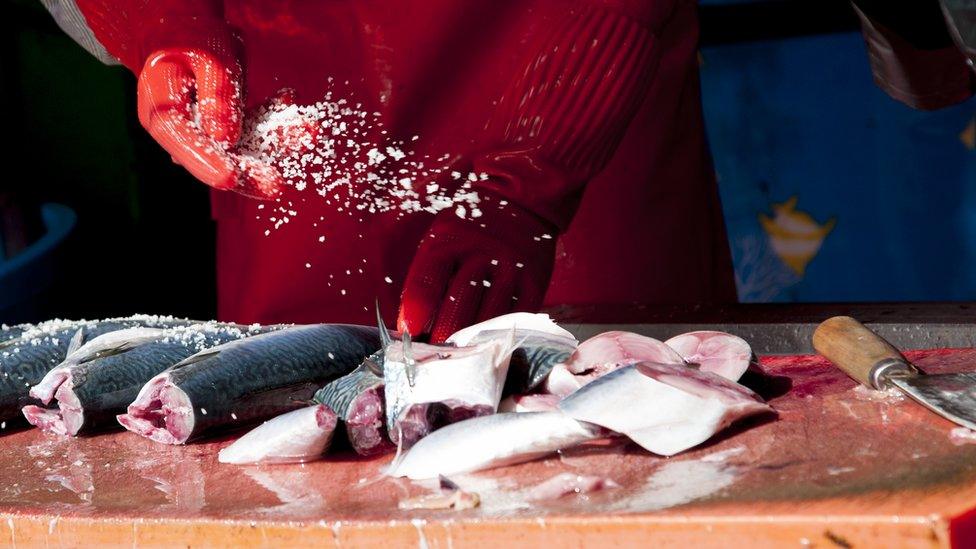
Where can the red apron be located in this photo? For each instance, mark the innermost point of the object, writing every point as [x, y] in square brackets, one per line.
[649, 228]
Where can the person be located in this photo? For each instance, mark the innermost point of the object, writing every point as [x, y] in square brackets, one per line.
[922, 53]
[581, 120]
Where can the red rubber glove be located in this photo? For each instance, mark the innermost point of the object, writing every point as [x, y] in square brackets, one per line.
[471, 269]
[190, 85]
[556, 126]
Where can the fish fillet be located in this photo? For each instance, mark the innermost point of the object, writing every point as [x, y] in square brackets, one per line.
[293, 437]
[717, 352]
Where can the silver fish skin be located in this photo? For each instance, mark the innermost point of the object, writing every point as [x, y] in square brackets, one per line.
[297, 436]
[449, 384]
[492, 441]
[246, 381]
[665, 408]
[358, 400]
[99, 380]
[542, 344]
[24, 361]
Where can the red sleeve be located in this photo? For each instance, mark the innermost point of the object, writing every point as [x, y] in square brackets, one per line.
[132, 29]
[564, 115]
[923, 76]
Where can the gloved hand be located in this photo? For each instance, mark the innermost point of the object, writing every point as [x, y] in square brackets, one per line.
[190, 101]
[471, 269]
[188, 62]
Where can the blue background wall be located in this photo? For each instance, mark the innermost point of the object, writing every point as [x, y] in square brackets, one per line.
[801, 118]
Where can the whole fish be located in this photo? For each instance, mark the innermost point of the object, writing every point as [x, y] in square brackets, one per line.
[358, 400]
[99, 380]
[247, 380]
[718, 352]
[542, 344]
[25, 360]
[665, 408]
[293, 437]
[492, 441]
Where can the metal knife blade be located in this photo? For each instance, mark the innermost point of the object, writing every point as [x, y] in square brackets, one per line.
[952, 396]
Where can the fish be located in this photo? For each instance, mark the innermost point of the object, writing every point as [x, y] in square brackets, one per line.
[297, 436]
[529, 403]
[25, 360]
[359, 401]
[492, 441]
[99, 380]
[426, 386]
[718, 352]
[246, 381]
[604, 353]
[664, 408]
[541, 345]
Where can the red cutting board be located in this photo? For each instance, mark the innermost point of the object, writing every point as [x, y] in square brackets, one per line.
[835, 469]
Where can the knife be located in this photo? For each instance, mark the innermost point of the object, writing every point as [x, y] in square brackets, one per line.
[871, 360]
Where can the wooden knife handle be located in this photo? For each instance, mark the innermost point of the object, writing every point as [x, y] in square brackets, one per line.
[859, 352]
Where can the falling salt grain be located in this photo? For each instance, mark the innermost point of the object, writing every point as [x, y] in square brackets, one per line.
[233, 415]
[388, 280]
[520, 265]
[486, 283]
[332, 356]
[308, 265]
[322, 239]
[203, 411]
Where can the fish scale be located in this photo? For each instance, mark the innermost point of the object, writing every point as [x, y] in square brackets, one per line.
[25, 360]
[247, 380]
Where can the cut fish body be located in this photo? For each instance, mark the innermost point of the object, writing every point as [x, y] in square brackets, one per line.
[605, 353]
[542, 344]
[26, 359]
[293, 437]
[453, 383]
[247, 380]
[665, 408]
[98, 381]
[492, 441]
[718, 352]
[359, 401]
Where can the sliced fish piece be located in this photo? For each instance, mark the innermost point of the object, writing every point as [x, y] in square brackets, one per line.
[665, 408]
[99, 380]
[359, 401]
[297, 436]
[718, 352]
[448, 384]
[492, 441]
[246, 381]
[25, 360]
[542, 344]
[604, 353]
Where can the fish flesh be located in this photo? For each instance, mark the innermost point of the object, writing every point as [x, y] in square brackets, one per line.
[718, 352]
[529, 403]
[492, 441]
[665, 408]
[99, 380]
[542, 344]
[448, 496]
[25, 360]
[604, 353]
[564, 484]
[244, 381]
[426, 386]
[293, 437]
[359, 402]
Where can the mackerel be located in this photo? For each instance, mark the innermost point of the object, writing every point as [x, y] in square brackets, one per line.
[244, 381]
[25, 360]
[358, 400]
[98, 381]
